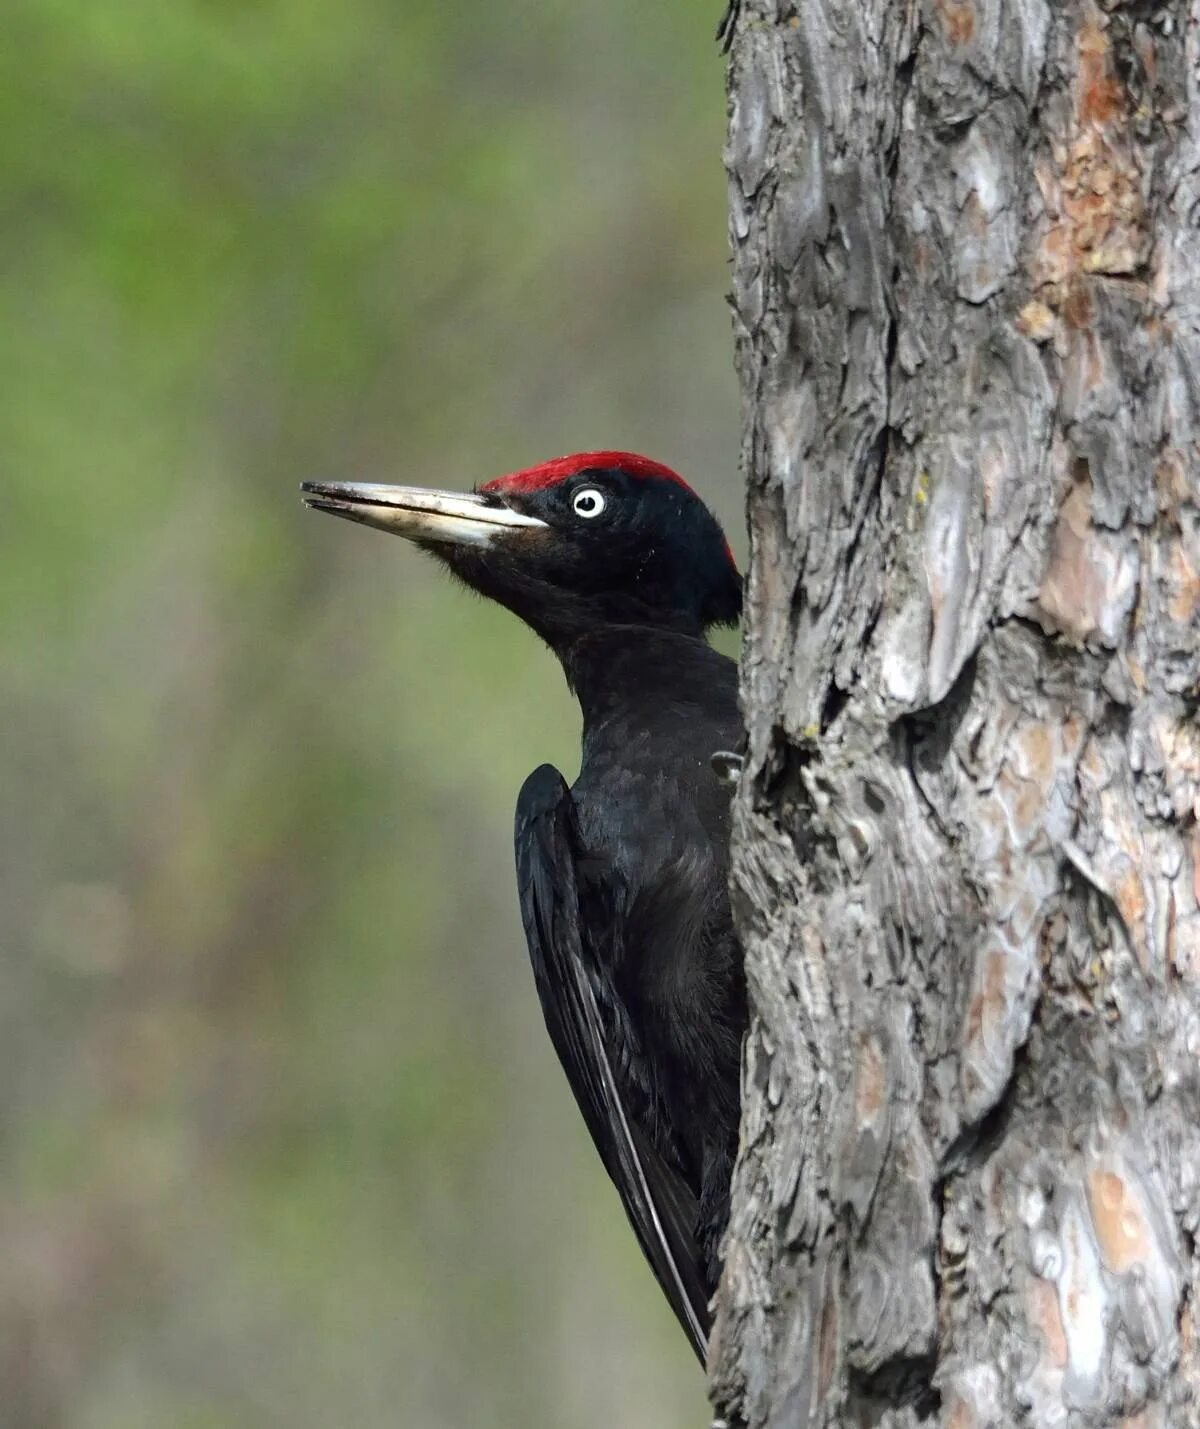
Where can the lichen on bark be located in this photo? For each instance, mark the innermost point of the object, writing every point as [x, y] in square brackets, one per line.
[966, 295]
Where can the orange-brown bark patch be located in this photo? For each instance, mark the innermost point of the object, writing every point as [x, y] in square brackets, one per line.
[1036, 321]
[1077, 309]
[1185, 596]
[1072, 590]
[958, 20]
[1130, 898]
[990, 1004]
[869, 1081]
[960, 1416]
[1091, 185]
[1100, 97]
[975, 215]
[1044, 1314]
[1120, 1226]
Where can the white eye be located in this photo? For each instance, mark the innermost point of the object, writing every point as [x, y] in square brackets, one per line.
[588, 502]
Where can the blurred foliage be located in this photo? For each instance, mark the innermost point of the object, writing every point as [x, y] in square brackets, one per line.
[283, 1140]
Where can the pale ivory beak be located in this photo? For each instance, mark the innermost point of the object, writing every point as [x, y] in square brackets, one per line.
[418, 513]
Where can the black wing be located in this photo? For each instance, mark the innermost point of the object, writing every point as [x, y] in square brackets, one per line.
[572, 988]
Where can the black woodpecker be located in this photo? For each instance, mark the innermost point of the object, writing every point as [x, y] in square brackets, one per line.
[621, 569]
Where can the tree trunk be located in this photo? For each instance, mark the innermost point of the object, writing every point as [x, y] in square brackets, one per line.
[966, 287]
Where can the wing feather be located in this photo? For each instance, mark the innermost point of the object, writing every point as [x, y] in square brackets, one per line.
[572, 988]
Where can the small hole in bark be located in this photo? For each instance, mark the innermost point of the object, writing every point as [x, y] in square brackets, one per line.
[835, 703]
[955, 132]
[976, 1142]
[902, 1381]
[922, 740]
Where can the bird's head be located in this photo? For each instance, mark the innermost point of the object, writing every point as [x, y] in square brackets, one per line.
[586, 540]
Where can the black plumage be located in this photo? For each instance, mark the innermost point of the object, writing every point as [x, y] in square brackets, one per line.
[622, 878]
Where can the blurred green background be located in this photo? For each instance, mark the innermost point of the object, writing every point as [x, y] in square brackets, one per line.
[282, 1140]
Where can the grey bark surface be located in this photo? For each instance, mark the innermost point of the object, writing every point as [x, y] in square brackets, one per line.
[966, 294]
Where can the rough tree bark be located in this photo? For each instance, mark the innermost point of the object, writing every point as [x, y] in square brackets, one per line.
[966, 287]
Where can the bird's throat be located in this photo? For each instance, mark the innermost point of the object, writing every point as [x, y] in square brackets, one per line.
[628, 666]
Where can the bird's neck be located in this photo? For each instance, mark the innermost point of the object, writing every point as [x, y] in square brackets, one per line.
[619, 667]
